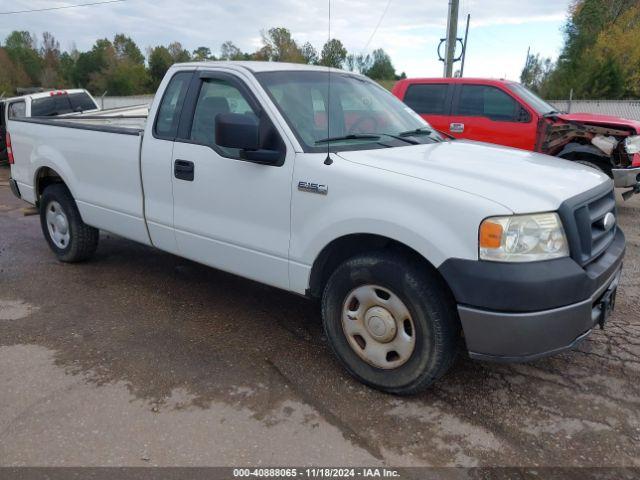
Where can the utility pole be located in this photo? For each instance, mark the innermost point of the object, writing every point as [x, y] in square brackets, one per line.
[452, 37]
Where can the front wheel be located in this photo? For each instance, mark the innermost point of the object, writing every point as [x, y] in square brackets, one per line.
[68, 236]
[391, 322]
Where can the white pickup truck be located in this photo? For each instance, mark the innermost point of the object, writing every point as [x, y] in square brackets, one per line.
[43, 104]
[322, 183]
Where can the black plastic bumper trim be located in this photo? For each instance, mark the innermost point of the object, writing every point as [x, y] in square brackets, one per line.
[483, 357]
[530, 287]
[518, 337]
[13, 185]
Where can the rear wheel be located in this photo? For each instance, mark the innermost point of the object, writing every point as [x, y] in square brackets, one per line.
[68, 236]
[392, 323]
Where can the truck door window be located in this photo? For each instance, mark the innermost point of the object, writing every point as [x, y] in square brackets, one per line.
[170, 108]
[427, 98]
[217, 96]
[487, 101]
[17, 110]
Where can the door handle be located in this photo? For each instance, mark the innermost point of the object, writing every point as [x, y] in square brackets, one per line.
[184, 170]
[456, 127]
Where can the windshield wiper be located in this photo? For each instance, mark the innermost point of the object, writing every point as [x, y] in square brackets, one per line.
[352, 136]
[417, 131]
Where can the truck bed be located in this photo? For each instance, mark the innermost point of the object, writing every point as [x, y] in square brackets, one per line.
[128, 124]
[98, 157]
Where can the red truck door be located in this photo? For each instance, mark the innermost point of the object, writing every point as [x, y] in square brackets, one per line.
[489, 114]
[432, 101]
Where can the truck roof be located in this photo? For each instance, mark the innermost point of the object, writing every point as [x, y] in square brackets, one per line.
[260, 66]
[46, 94]
[486, 81]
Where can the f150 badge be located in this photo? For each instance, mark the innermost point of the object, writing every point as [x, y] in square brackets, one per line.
[313, 187]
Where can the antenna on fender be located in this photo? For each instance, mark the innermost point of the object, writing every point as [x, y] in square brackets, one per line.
[328, 160]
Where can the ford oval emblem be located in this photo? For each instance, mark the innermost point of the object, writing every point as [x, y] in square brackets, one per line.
[609, 221]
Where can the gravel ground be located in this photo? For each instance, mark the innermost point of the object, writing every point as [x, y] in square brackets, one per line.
[142, 358]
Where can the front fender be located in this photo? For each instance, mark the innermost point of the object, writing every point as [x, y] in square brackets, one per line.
[436, 221]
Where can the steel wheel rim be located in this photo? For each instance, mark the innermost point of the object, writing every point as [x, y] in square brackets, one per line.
[378, 326]
[58, 225]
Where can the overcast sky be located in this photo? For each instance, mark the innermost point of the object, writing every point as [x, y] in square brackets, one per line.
[501, 30]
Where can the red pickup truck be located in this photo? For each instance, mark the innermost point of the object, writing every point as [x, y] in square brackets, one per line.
[507, 113]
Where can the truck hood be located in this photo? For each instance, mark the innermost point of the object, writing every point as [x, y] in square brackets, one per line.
[519, 180]
[603, 120]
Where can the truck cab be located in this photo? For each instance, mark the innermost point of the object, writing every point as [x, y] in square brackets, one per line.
[50, 103]
[507, 113]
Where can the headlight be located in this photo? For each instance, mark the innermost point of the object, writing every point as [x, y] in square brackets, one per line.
[523, 238]
[632, 144]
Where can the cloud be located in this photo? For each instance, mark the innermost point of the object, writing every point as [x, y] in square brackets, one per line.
[409, 31]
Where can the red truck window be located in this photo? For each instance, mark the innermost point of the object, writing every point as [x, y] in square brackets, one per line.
[490, 102]
[427, 98]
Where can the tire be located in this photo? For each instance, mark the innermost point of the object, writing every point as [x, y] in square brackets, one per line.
[433, 322]
[68, 236]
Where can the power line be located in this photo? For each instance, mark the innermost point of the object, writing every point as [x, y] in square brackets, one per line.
[375, 30]
[47, 9]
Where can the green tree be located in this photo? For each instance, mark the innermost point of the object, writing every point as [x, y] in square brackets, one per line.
[127, 50]
[359, 63]
[90, 63]
[160, 60]
[50, 54]
[309, 54]
[381, 66]
[67, 67]
[178, 53]
[229, 51]
[599, 47]
[11, 75]
[201, 54]
[279, 46]
[536, 72]
[333, 54]
[21, 48]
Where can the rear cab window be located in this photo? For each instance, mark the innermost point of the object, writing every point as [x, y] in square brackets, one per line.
[62, 103]
[168, 116]
[427, 98]
[82, 102]
[17, 110]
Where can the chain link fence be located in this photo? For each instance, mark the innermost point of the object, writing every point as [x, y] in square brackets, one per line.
[618, 108]
[117, 102]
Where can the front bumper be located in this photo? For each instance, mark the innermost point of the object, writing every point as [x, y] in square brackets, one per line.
[517, 312]
[626, 177]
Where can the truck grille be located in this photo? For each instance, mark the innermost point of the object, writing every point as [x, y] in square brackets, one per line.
[583, 219]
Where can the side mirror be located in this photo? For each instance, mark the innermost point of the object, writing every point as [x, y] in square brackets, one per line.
[523, 116]
[235, 130]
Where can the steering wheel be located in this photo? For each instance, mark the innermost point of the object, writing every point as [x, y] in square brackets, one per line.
[355, 128]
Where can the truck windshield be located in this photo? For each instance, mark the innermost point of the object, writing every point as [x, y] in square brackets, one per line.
[60, 104]
[538, 104]
[362, 115]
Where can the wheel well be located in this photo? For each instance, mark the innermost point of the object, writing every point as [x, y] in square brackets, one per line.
[343, 248]
[45, 177]
[580, 151]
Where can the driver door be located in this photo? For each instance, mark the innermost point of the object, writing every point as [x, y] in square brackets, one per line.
[229, 213]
